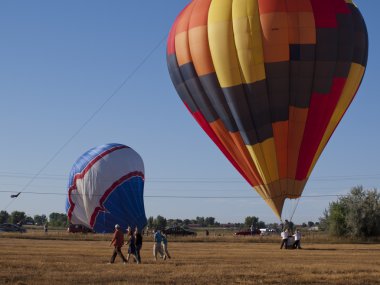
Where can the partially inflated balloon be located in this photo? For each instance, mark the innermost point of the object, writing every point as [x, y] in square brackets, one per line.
[106, 187]
[269, 81]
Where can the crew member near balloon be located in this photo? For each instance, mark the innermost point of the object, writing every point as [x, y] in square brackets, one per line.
[117, 241]
[284, 238]
[138, 244]
[157, 247]
[297, 239]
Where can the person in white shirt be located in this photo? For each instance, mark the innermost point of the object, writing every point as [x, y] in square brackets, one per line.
[297, 239]
[284, 237]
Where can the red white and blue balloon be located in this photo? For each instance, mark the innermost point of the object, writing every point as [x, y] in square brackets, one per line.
[106, 187]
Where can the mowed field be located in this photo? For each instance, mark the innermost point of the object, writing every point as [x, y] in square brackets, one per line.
[234, 261]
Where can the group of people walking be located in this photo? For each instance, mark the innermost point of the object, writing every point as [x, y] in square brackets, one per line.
[134, 241]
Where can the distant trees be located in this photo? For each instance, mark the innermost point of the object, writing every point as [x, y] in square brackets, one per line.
[4, 217]
[200, 221]
[29, 220]
[204, 222]
[17, 217]
[157, 223]
[40, 219]
[355, 215]
[161, 222]
[255, 222]
[58, 220]
[150, 222]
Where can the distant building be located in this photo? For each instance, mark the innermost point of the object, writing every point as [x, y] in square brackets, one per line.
[314, 229]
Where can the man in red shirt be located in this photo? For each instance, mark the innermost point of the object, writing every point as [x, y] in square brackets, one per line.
[117, 242]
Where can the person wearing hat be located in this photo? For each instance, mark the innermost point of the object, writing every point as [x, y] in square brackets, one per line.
[117, 242]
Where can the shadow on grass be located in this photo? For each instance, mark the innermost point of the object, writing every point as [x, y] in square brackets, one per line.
[320, 249]
[342, 249]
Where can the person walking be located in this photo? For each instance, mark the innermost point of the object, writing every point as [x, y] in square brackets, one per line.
[117, 241]
[284, 237]
[138, 244]
[131, 245]
[297, 239]
[157, 247]
[165, 247]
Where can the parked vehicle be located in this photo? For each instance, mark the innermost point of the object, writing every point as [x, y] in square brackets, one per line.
[179, 231]
[13, 228]
[73, 228]
[267, 232]
[247, 232]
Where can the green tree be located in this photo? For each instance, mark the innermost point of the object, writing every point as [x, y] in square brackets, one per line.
[261, 225]
[40, 219]
[160, 222]
[310, 224]
[200, 221]
[17, 217]
[4, 217]
[210, 221]
[29, 220]
[252, 221]
[150, 222]
[58, 220]
[355, 215]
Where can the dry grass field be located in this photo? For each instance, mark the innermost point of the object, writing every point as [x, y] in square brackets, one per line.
[226, 261]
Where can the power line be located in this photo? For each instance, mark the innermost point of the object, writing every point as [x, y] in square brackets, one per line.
[176, 196]
[192, 180]
[129, 76]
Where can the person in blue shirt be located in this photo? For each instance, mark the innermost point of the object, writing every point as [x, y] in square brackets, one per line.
[157, 247]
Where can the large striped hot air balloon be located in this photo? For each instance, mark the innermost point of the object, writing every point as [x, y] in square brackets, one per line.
[106, 187]
[269, 81]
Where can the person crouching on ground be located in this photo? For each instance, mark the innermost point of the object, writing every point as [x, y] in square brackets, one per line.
[157, 247]
[117, 242]
[165, 246]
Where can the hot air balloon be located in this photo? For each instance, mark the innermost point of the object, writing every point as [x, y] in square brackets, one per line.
[106, 187]
[269, 81]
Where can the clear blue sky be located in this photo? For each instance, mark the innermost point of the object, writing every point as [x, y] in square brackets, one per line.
[61, 60]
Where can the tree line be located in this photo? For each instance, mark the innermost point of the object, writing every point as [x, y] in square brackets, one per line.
[354, 215]
[17, 217]
[161, 222]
